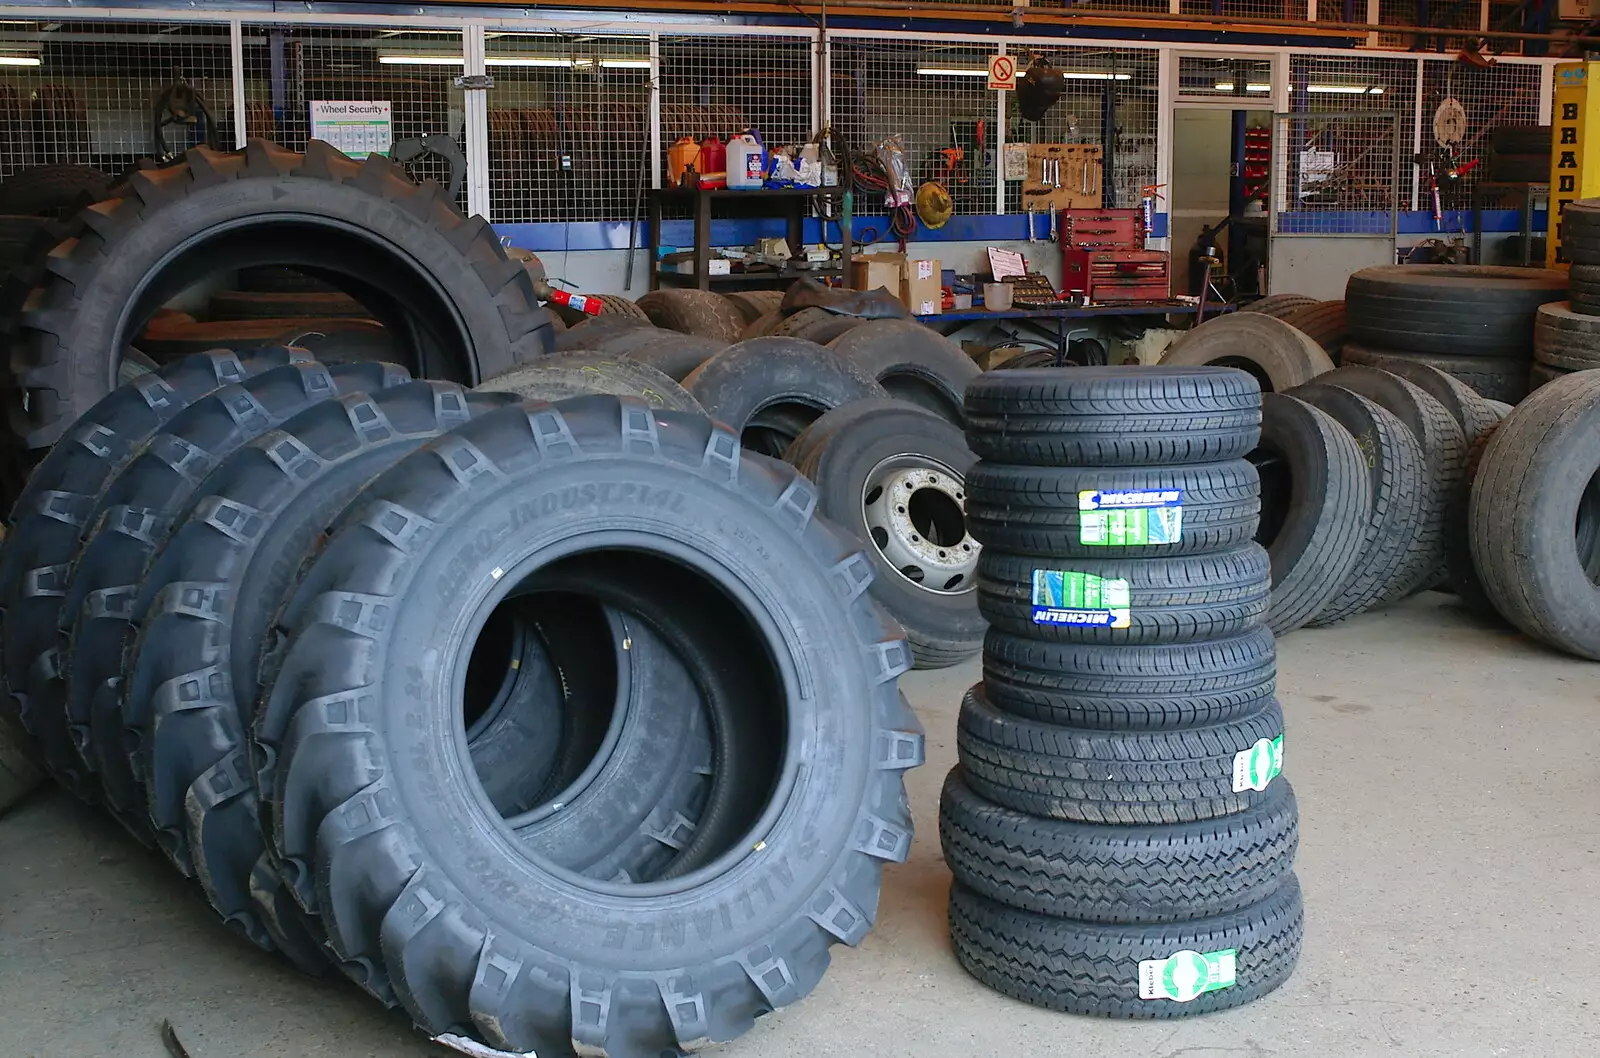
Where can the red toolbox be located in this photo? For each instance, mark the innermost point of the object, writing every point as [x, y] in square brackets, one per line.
[1102, 229]
[1116, 276]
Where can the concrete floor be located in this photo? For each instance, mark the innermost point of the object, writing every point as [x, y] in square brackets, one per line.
[1447, 776]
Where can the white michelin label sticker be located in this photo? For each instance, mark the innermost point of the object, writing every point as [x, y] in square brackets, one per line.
[1186, 975]
[1256, 767]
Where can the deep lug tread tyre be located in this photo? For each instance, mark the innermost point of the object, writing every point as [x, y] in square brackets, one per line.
[1117, 777]
[1392, 545]
[1182, 599]
[56, 508]
[1082, 968]
[1034, 510]
[132, 518]
[1128, 688]
[1541, 466]
[493, 956]
[1127, 874]
[1318, 505]
[65, 358]
[1113, 416]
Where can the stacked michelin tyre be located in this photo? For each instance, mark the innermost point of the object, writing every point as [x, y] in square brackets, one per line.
[1121, 839]
[1473, 322]
[468, 697]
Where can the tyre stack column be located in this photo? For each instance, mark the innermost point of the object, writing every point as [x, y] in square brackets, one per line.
[1120, 834]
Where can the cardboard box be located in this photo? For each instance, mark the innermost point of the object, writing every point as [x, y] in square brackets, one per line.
[871, 271]
[921, 288]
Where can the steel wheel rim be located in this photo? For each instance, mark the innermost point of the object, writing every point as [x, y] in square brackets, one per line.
[914, 508]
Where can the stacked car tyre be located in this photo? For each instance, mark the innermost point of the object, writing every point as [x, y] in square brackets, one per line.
[1120, 835]
[395, 669]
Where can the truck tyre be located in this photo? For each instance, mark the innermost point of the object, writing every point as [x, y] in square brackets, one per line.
[754, 304]
[1316, 503]
[1392, 551]
[56, 508]
[1583, 288]
[58, 191]
[573, 376]
[914, 363]
[1450, 310]
[1182, 599]
[1139, 874]
[701, 312]
[594, 329]
[1324, 323]
[131, 519]
[253, 305]
[675, 355]
[471, 950]
[815, 325]
[1113, 416]
[766, 387]
[894, 474]
[1492, 378]
[1118, 777]
[1444, 452]
[1084, 968]
[440, 279]
[1535, 516]
[1278, 305]
[611, 306]
[1123, 688]
[1279, 356]
[761, 326]
[19, 775]
[1036, 510]
[1580, 232]
[1566, 339]
[1464, 579]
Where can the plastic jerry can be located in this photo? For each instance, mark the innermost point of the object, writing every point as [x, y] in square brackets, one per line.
[747, 161]
[713, 163]
[682, 158]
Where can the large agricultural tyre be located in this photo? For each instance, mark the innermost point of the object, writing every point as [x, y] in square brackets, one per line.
[1131, 874]
[1392, 548]
[702, 312]
[258, 305]
[1316, 505]
[56, 509]
[1450, 310]
[438, 279]
[131, 519]
[1113, 416]
[1278, 355]
[913, 362]
[1163, 970]
[894, 474]
[1535, 515]
[1490, 377]
[242, 535]
[770, 389]
[414, 873]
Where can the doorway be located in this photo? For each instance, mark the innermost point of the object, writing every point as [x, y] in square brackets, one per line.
[1221, 165]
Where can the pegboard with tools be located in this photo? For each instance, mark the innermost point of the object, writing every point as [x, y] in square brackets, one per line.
[1062, 176]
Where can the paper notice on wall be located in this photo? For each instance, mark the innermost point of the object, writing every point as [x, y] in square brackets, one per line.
[357, 127]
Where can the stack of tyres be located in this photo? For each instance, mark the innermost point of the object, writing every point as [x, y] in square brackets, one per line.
[1120, 837]
[1566, 334]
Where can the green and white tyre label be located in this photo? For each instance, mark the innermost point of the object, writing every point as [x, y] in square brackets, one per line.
[1257, 766]
[1129, 517]
[1186, 975]
[1065, 597]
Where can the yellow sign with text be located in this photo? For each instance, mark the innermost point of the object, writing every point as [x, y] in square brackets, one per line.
[1574, 156]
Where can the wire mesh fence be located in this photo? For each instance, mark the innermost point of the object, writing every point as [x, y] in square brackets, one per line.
[1337, 172]
[1235, 78]
[1505, 94]
[1321, 84]
[89, 93]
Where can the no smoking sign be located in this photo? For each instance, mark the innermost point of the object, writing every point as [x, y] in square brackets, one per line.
[1003, 73]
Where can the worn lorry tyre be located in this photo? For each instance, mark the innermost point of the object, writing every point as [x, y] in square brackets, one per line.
[754, 304]
[1324, 323]
[56, 508]
[914, 363]
[1566, 339]
[578, 374]
[1113, 416]
[1113, 512]
[1181, 599]
[1279, 356]
[594, 329]
[894, 474]
[1535, 515]
[814, 324]
[702, 312]
[1278, 305]
[386, 816]
[1129, 874]
[612, 306]
[1392, 557]
[770, 389]
[1316, 503]
[1164, 970]
[673, 354]
[1490, 377]
[1119, 777]
[1121, 687]
[426, 272]
[1450, 310]
[1583, 288]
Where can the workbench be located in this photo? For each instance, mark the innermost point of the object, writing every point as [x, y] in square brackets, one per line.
[1062, 332]
[791, 204]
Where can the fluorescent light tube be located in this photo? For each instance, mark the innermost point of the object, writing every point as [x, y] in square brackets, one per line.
[949, 71]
